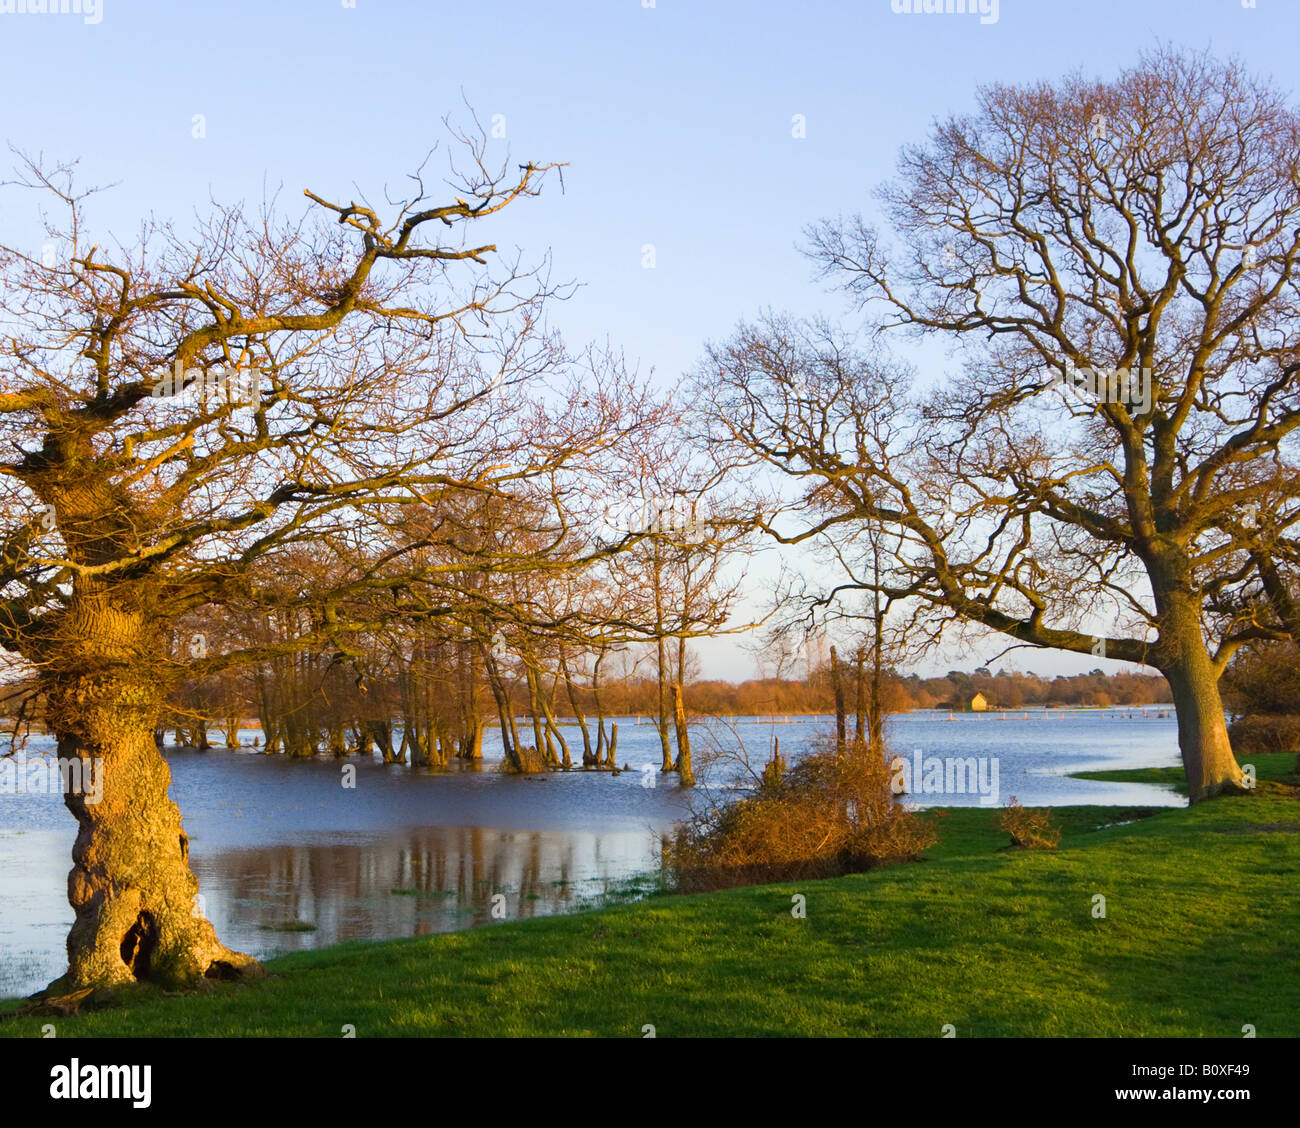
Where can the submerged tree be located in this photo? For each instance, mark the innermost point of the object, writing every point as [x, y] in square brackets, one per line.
[1120, 262]
[178, 412]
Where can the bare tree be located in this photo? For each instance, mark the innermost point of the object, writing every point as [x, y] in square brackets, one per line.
[179, 409]
[683, 578]
[1119, 260]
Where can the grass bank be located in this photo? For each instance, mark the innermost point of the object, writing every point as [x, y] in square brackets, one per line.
[1201, 935]
[1277, 767]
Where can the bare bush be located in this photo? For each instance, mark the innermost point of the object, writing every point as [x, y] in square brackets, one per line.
[832, 813]
[1029, 829]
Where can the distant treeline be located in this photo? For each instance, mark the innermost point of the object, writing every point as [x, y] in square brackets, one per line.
[954, 690]
[306, 704]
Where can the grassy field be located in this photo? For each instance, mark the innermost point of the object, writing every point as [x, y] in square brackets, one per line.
[1201, 935]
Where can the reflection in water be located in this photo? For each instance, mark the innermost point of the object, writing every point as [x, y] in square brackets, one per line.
[403, 853]
[434, 879]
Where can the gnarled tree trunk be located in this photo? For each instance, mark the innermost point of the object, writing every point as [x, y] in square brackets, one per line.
[138, 916]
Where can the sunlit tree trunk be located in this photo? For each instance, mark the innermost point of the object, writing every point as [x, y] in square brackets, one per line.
[553, 731]
[364, 741]
[661, 718]
[683, 739]
[338, 741]
[540, 740]
[590, 757]
[860, 698]
[137, 914]
[1183, 658]
[473, 748]
[876, 703]
[604, 755]
[382, 734]
[505, 710]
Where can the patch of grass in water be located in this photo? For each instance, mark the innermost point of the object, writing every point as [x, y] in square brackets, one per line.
[288, 926]
[1272, 767]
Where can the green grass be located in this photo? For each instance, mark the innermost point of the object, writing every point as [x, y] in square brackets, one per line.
[1279, 767]
[1201, 936]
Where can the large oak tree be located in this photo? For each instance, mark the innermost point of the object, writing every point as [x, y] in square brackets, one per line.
[1112, 470]
[180, 413]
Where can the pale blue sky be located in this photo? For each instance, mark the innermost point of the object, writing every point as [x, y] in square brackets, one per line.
[675, 120]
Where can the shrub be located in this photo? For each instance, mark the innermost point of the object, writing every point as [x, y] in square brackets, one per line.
[528, 761]
[773, 770]
[1029, 829]
[830, 814]
[1264, 733]
[1264, 679]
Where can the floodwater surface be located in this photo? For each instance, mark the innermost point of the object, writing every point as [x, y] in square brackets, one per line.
[288, 857]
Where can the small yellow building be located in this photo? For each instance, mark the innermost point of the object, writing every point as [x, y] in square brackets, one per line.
[979, 703]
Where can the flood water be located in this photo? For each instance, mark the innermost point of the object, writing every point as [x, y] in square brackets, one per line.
[288, 858]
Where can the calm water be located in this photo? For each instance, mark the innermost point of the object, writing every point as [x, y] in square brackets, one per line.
[287, 858]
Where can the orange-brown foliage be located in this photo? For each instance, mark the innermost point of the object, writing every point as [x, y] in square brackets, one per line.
[829, 814]
[1029, 829]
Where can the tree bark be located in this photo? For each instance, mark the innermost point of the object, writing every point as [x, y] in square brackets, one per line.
[860, 698]
[661, 721]
[505, 709]
[1208, 762]
[684, 769]
[382, 734]
[590, 757]
[1181, 655]
[841, 726]
[876, 704]
[135, 899]
[472, 750]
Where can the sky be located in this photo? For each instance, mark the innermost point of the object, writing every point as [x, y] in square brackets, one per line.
[711, 132]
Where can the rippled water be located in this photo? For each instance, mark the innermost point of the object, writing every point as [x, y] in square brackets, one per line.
[288, 858]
